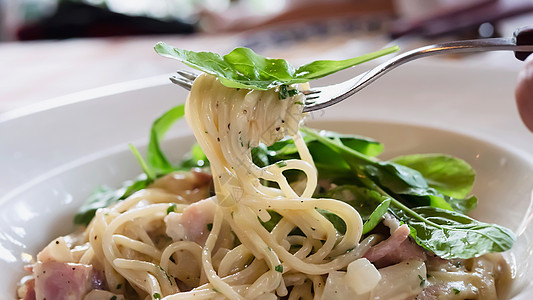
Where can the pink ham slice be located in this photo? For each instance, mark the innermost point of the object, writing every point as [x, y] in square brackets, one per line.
[395, 249]
[61, 281]
[192, 224]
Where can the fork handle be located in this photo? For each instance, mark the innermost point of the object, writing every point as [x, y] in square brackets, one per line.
[523, 36]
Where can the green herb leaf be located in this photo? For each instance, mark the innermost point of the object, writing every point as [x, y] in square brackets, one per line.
[243, 68]
[196, 159]
[279, 268]
[274, 219]
[147, 170]
[396, 179]
[154, 155]
[447, 174]
[364, 200]
[450, 234]
[281, 164]
[104, 196]
[329, 163]
[171, 208]
[376, 216]
[451, 176]
[157, 296]
[285, 92]
[433, 225]
[337, 222]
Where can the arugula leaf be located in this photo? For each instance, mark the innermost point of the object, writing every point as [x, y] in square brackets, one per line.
[447, 174]
[147, 170]
[450, 234]
[285, 92]
[154, 155]
[328, 162]
[337, 222]
[274, 219]
[104, 196]
[447, 233]
[243, 68]
[370, 204]
[364, 200]
[407, 183]
[376, 216]
[196, 159]
[156, 165]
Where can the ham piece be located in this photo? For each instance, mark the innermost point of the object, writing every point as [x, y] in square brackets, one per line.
[62, 281]
[395, 249]
[192, 224]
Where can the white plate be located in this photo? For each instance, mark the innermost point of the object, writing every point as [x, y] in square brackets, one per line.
[51, 159]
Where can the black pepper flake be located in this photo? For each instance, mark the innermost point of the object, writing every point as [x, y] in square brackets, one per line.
[73, 269]
[218, 139]
[282, 121]
[57, 242]
[229, 126]
[278, 128]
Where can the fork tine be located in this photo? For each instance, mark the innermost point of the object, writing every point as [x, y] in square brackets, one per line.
[311, 92]
[183, 82]
[186, 74]
[307, 98]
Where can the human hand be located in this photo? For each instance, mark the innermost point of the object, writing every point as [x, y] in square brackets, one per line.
[524, 93]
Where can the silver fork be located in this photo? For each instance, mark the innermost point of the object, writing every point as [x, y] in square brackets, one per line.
[321, 97]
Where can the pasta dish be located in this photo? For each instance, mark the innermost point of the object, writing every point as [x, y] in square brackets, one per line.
[265, 208]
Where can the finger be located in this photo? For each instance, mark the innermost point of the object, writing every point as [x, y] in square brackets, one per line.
[524, 93]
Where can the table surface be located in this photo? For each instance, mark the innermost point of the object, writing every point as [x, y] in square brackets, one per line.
[33, 72]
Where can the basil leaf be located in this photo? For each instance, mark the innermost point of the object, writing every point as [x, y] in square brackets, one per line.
[154, 155]
[449, 175]
[243, 68]
[450, 234]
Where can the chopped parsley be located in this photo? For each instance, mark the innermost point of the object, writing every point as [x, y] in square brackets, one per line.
[279, 268]
[210, 226]
[119, 286]
[285, 92]
[157, 296]
[171, 208]
[456, 291]
[422, 280]
[113, 298]
[281, 164]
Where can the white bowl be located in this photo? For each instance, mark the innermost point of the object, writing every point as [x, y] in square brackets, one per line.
[51, 159]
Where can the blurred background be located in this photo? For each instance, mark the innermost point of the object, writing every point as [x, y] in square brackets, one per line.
[50, 48]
